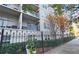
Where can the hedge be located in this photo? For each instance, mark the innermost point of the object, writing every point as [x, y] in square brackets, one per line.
[51, 43]
[13, 48]
[21, 47]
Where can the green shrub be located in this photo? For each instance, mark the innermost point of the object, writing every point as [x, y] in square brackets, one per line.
[52, 43]
[31, 45]
[13, 48]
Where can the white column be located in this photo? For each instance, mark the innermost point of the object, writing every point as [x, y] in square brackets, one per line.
[20, 18]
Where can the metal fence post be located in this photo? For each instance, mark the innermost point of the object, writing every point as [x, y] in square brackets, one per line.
[2, 35]
[1, 39]
[42, 41]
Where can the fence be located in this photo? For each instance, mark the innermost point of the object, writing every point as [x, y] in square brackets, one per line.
[17, 35]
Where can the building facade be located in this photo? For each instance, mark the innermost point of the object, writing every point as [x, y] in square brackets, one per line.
[20, 24]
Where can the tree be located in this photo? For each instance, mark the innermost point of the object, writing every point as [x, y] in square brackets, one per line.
[58, 9]
[52, 25]
[71, 7]
[59, 19]
[29, 7]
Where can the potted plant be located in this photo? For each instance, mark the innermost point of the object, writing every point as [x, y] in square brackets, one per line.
[30, 47]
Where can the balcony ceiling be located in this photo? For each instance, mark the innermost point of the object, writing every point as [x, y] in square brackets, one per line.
[17, 13]
[9, 11]
[28, 17]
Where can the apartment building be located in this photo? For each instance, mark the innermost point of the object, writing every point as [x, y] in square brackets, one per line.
[18, 23]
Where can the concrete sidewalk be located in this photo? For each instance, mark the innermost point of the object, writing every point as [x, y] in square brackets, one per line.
[71, 47]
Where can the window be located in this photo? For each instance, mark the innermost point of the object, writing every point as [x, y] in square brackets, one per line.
[46, 26]
[11, 24]
[4, 23]
[45, 6]
[0, 23]
[31, 27]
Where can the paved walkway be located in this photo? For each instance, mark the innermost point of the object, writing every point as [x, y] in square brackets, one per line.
[71, 47]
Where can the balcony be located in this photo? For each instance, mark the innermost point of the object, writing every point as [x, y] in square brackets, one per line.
[31, 9]
[34, 14]
[36, 5]
[12, 6]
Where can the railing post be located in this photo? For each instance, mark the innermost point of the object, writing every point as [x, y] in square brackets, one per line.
[42, 41]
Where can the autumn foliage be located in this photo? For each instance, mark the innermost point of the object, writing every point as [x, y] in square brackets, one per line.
[60, 20]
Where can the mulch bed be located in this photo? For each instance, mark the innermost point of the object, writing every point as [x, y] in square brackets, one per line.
[40, 50]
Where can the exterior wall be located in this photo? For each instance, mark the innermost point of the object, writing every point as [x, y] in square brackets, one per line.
[43, 14]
